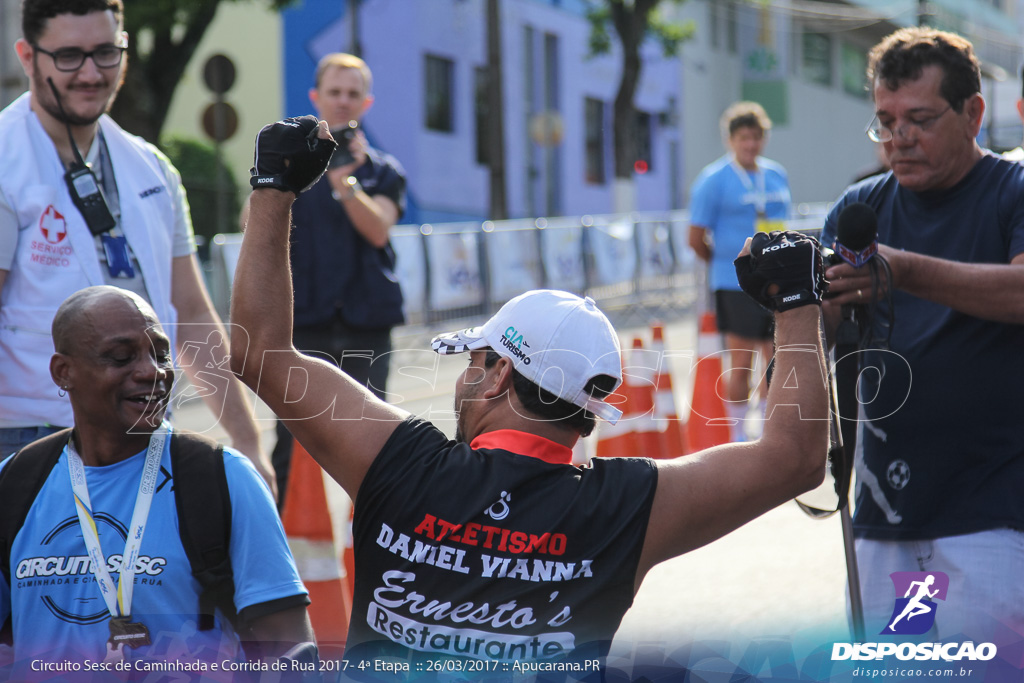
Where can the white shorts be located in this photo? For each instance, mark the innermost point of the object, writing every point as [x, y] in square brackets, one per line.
[986, 583]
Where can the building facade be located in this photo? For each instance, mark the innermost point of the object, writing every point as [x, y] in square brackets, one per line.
[803, 59]
[429, 63]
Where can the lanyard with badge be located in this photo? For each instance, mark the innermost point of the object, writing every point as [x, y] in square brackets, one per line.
[760, 195]
[115, 244]
[123, 632]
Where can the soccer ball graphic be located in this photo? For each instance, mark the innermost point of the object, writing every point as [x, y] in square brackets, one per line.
[898, 474]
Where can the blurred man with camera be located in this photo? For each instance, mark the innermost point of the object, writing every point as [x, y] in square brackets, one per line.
[84, 203]
[494, 546]
[347, 297]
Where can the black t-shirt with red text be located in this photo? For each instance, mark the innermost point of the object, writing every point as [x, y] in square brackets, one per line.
[496, 551]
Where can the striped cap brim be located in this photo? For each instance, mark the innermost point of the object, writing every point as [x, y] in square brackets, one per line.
[459, 342]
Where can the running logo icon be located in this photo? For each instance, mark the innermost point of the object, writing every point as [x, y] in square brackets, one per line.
[914, 612]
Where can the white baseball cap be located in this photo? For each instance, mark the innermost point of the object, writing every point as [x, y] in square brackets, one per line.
[555, 339]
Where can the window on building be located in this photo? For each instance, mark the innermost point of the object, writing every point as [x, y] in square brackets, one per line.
[713, 24]
[440, 73]
[642, 134]
[480, 110]
[731, 28]
[853, 63]
[817, 58]
[551, 76]
[593, 113]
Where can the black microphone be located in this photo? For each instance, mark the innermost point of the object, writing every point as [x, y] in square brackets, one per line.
[856, 234]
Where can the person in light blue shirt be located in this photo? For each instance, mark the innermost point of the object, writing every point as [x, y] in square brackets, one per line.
[111, 494]
[734, 196]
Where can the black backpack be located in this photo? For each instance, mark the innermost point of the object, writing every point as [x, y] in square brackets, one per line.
[204, 526]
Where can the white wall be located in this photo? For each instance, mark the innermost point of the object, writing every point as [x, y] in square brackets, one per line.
[250, 35]
[822, 146]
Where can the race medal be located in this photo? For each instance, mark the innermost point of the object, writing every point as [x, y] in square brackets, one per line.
[765, 225]
[124, 633]
[114, 654]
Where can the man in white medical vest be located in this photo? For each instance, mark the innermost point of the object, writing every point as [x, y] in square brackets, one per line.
[83, 203]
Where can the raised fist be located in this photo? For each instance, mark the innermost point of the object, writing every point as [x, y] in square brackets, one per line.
[783, 270]
[290, 155]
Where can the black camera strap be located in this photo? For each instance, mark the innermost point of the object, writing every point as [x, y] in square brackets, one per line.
[79, 161]
[82, 185]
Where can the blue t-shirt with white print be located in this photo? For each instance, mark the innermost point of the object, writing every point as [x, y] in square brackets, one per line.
[58, 611]
[943, 446]
[726, 206]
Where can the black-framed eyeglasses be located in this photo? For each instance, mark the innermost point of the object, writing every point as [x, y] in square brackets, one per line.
[72, 58]
[879, 133]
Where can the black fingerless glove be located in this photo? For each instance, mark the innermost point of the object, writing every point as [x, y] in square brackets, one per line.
[290, 155]
[789, 260]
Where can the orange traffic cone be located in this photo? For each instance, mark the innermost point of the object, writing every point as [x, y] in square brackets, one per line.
[646, 428]
[708, 425]
[674, 439]
[307, 523]
[616, 440]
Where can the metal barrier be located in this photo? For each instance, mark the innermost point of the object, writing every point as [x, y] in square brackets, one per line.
[467, 270]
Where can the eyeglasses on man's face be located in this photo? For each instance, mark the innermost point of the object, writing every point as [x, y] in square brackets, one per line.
[915, 125]
[72, 58]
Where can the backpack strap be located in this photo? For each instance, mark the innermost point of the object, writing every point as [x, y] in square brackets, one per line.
[204, 521]
[20, 481]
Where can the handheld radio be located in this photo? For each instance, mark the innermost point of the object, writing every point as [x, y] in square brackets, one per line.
[82, 186]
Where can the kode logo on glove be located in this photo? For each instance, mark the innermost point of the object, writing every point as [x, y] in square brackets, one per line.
[783, 270]
[290, 155]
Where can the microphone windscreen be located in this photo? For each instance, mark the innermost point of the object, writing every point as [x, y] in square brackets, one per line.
[857, 226]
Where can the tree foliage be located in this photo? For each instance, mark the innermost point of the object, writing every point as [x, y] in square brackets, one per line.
[162, 38]
[202, 174]
[633, 22]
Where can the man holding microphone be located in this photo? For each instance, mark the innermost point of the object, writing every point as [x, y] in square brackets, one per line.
[943, 450]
